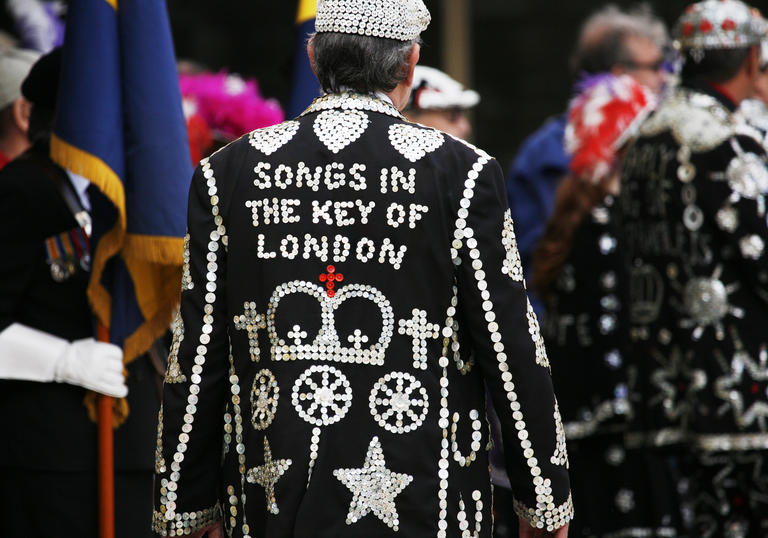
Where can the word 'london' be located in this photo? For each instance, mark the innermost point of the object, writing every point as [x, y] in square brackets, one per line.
[269, 211]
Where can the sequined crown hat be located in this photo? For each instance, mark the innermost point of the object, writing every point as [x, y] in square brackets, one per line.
[720, 24]
[403, 20]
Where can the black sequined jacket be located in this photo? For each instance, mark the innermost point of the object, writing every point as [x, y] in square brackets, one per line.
[585, 328]
[352, 283]
[693, 203]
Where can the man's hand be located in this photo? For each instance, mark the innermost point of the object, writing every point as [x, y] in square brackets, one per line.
[97, 366]
[214, 531]
[526, 531]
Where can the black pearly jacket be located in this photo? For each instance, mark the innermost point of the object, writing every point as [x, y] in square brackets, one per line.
[353, 285]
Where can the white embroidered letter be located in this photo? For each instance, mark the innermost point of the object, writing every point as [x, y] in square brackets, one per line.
[320, 248]
[294, 241]
[362, 245]
[395, 220]
[321, 212]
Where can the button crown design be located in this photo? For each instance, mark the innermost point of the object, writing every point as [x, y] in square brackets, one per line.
[327, 345]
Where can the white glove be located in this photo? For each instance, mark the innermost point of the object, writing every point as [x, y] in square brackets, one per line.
[31, 355]
[97, 366]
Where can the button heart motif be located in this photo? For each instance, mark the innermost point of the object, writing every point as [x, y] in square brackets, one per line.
[337, 129]
[270, 139]
[414, 143]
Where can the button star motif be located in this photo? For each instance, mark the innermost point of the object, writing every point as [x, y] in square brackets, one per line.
[374, 487]
[677, 383]
[744, 389]
[267, 475]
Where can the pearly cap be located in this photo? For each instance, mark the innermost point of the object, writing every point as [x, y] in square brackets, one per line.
[402, 20]
[434, 90]
[15, 65]
[719, 24]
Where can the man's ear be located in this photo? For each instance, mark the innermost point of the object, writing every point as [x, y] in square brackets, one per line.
[311, 54]
[412, 61]
[22, 109]
[753, 62]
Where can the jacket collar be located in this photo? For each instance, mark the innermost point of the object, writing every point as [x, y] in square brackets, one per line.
[353, 101]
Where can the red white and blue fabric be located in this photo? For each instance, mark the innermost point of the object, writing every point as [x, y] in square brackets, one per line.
[600, 120]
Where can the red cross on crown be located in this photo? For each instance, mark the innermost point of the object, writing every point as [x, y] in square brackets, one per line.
[330, 278]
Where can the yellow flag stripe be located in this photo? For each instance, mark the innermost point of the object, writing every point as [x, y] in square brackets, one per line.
[307, 11]
[154, 262]
[100, 174]
[155, 249]
[112, 3]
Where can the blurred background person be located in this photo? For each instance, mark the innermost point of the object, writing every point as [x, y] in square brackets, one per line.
[49, 361]
[47, 355]
[693, 195]
[578, 275]
[610, 41]
[39, 23]
[7, 41]
[441, 102]
[14, 107]
[755, 110]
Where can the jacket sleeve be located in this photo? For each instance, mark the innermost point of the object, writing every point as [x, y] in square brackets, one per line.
[20, 244]
[190, 426]
[736, 198]
[509, 348]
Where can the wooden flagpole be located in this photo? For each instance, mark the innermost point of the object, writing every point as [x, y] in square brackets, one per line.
[106, 458]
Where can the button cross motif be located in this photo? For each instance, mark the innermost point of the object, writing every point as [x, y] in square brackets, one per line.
[420, 330]
[251, 322]
[357, 339]
[297, 335]
[330, 278]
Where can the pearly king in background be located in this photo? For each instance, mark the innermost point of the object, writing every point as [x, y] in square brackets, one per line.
[693, 199]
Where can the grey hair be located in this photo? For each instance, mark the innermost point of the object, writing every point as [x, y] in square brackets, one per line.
[603, 37]
[362, 63]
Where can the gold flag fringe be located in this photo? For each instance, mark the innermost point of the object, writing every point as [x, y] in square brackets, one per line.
[154, 263]
[100, 174]
[120, 409]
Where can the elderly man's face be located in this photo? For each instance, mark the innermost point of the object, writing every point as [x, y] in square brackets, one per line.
[647, 63]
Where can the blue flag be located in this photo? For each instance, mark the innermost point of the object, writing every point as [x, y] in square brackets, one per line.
[120, 124]
[305, 85]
